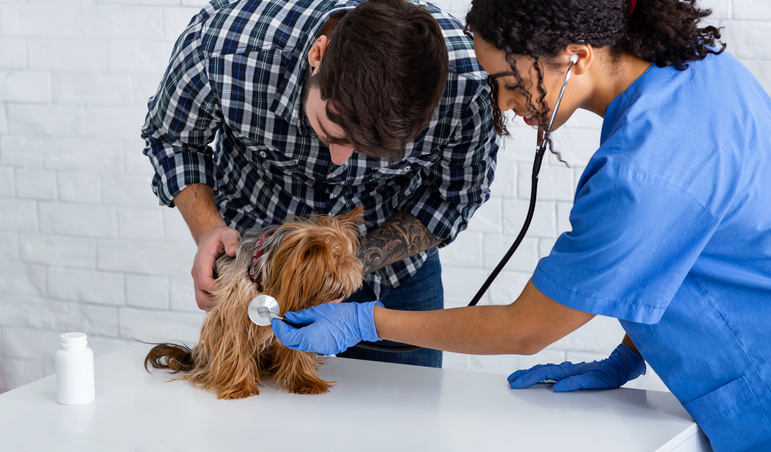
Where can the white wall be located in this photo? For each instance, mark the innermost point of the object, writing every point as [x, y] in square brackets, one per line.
[84, 245]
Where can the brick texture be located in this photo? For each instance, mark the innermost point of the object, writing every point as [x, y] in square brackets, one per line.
[84, 245]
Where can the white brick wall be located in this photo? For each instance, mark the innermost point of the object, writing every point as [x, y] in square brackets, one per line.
[84, 246]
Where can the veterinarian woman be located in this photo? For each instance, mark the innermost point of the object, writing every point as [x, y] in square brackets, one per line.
[671, 225]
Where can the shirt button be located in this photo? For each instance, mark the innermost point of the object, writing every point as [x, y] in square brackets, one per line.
[407, 169]
[263, 154]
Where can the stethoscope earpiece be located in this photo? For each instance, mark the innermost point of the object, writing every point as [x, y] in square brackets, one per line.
[539, 153]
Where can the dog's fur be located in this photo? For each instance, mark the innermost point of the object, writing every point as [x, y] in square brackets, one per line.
[304, 263]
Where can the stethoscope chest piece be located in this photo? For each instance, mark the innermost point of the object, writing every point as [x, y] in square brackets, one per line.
[262, 309]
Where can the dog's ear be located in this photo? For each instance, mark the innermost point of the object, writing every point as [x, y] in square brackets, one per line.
[351, 219]
[302, 269]
[316, 262]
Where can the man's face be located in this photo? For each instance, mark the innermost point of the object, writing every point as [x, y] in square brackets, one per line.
[315, 110]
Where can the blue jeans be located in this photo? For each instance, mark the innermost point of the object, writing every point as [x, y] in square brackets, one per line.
[422, 292]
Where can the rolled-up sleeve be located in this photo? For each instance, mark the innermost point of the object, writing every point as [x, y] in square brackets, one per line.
[459, 183]
[182, 120]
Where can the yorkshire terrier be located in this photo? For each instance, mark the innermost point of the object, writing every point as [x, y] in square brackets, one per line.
[301, 264]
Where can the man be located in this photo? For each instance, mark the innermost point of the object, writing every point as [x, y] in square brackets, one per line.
[319, 107]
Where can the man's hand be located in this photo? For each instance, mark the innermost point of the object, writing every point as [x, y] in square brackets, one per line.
[211, 246]
[213, 237]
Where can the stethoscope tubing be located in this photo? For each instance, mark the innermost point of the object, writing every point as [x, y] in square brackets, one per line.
[537, 161]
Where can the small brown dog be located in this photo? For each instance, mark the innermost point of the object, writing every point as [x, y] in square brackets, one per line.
[301, 264]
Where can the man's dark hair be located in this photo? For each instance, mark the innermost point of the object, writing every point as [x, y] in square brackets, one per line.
[664, 32]
[383, 75]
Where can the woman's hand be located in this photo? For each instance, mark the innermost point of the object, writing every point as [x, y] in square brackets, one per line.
[331, 329]
[623, 365]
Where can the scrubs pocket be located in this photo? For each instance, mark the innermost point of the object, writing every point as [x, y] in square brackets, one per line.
[732, 418]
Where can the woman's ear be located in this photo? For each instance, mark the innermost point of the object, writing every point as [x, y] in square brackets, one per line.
[316, 54]
[584, 55]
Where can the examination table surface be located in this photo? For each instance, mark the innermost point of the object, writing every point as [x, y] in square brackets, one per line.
[373, 407]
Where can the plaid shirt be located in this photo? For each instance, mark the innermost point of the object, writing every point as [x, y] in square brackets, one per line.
[236, 74]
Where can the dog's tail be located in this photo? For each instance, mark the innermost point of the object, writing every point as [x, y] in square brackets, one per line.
[178, 358]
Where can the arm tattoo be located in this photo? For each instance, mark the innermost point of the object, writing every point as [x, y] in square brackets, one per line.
[400, 237]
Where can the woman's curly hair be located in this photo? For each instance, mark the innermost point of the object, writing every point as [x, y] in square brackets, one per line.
[664, 32]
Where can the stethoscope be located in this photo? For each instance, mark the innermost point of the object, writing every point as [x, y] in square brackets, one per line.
[264, 308]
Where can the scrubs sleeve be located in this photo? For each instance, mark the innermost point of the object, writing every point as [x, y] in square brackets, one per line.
[634, 239]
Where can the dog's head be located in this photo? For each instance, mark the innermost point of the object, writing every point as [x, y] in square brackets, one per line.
[303, 263]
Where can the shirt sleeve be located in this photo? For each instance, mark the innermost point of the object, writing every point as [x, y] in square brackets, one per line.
[182, 120]
[633, 241]
[459, 183]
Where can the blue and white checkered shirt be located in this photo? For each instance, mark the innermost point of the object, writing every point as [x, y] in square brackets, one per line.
[236, 74]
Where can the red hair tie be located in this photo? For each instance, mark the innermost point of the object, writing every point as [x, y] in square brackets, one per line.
[255, 257]
[631, 9]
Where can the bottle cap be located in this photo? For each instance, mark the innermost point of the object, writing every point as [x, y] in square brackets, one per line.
[73, 340]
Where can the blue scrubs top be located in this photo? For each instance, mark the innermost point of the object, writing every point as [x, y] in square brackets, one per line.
[671, 234]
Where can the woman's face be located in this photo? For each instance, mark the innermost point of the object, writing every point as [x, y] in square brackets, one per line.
[510, 94]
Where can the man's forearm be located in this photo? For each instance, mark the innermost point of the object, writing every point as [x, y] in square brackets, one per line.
[197, 205]
[400, 237]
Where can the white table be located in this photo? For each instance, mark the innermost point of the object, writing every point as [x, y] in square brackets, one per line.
[373, 407]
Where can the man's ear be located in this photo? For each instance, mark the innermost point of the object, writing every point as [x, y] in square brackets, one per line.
[316, 54]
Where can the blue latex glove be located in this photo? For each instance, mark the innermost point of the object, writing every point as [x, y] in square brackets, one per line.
[335, 327]
[623, 365]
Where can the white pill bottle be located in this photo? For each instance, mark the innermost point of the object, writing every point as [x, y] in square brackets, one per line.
[74, 370]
